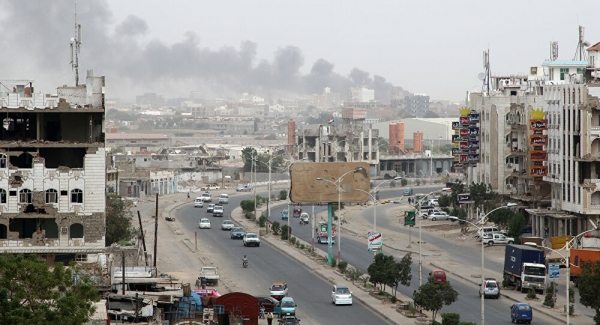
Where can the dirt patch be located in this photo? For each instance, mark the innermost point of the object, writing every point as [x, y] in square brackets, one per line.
[445, 227]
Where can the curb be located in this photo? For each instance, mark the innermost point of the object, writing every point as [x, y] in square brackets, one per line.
[504, 295]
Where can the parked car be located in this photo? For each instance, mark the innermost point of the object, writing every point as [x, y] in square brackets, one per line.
[206, 197]
[289, 320]
[491, 288]
[218, 211]
[433, 202]
[486, 230]
[223, 198]
[227, 225]
[268, 302]
[237, 233]
[427, 213]
[440, 215]
[251, 239]
[243, 188]
[288, 307]
[210, 208]
[284, 214]
[498, 239]
[198, 202]
[278, 290]
[521, 312]
[341, 295]
[204, 223]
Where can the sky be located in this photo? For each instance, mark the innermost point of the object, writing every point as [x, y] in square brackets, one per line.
[280, 48]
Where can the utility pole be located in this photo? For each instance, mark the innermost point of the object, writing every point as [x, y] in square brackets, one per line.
[143, 238]
[156, 231]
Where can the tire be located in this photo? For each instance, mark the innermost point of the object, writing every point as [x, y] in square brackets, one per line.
[244, 244]
[319, 240]
[433, 219]
[257, 245]
[518, 285]
[490, 243]
[510, 242]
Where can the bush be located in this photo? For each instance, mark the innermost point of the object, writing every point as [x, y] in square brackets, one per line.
[247, 205]
[531, 294]
[418, 182]
[333, 262]
[297, 244]
[285, 231]
[262, 221]
[292, 240]
[276, 228]
[505, 283]
[283, 195]
[404, 182]
[393, 299]
[549, 299]
[249, 215]
[393, 184]
[302, 246]
[343, 266]
[450, 319]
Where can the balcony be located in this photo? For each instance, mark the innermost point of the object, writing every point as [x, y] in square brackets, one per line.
[591, 183]
[518, 152]
[595, 131]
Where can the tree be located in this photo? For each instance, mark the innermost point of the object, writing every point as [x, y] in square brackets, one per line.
[118, 219]
[589, 286]
[383, 145]
[31, 293]
[516, 224]
[283, 195]
[433, 296]
[401, 273]
[404, 182]
[247, 154]
[379, 271]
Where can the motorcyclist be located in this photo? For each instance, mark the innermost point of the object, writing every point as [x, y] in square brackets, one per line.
[245, 260]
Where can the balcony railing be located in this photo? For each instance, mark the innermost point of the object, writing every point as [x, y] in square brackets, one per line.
[595, 131]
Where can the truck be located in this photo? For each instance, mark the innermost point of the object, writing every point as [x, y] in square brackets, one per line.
[578, 256]
[211, 274]
[322, 234]
[524, 267]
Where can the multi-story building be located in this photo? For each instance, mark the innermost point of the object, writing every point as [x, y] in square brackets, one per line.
[361, 95]
[139, 142]
[52, 171]
[416, 105]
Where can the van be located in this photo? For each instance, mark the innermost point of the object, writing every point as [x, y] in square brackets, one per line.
[486, 231]
[288, 306]
[439, 276]
[408, 191]
[341, 295]
[224, 198]
[198, 202]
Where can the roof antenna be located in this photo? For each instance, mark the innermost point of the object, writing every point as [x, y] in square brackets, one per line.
[580, 54]
[75, 47]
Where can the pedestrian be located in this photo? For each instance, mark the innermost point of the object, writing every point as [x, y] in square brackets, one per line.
[203, 282]
[188, 195]
[270, 318]
[546, 231]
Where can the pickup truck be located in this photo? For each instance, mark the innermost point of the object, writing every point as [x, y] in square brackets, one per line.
[495, 238]
[217, 211]
[211, 274]
[210, 187]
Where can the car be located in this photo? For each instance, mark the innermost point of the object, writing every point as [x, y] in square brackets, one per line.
[304, 218]
[288, 307]
[491, 288]
[489, 235]
[204, 223]
[223, 198]
[218, 211]
[210, 208]
[198, 202]
[227, 225]
[243, 188]
[278, 290]
[251, 239]
[408, 191]
[427, 213]
[433, 202]
[527, 230]
[440, 215]
[497, 239]
[341, 295]
[521, 312]
[268, 302]
[206, 197]
[284, 214]
[297, 212]
[289, 320]
[237, 233]
[486, 230]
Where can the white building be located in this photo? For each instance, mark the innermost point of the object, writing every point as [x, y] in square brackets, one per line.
[361, 95]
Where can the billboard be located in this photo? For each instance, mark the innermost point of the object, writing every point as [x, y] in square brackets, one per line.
[538, 171]
[538, 125]
[538, 139]
[473, 144]
[473, 118]
[456, 126]
[374, 242]
[538, 155]
[306, 188]
[457, 151]
[473, 131]
[464, 133]
[473, 157]
[457, 165]
[464, 120]
[409, 217]
[464, 146]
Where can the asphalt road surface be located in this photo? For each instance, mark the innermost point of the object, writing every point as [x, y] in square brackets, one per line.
[266, 265]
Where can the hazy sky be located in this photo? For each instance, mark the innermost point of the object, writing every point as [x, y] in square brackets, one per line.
[282, 48]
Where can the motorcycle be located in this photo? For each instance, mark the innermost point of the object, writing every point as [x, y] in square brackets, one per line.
[261, 312]
[303, 221]
[245, 264]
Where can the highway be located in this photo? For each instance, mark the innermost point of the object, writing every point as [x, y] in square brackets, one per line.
[266, 265]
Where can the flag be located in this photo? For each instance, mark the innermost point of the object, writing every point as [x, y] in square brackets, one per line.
[331, 120]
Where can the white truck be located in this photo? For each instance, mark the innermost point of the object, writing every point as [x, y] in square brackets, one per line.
[211, 274]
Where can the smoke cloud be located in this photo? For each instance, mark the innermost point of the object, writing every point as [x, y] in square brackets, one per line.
[35, 46]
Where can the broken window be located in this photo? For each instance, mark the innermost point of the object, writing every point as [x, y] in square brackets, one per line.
[2, 161]
[24, 160]
[25, 195]
[51, 196]
[76, 231]
[76, 196]
[2, 195]
[66, 157]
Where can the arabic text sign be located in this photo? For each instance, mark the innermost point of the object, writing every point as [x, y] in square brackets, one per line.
[375, 242]
[553, 271]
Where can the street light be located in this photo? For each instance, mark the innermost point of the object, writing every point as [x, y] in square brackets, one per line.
[482, 221]
[338, 184]
[417, 209]
[374, 197]
[269, 187]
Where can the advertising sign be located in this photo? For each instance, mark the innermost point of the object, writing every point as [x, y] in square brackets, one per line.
[473, 157]
[538, 140]
[464, 133]
[464, 145]
[553, 270]
[473, 118]
[473, 131]
[538, 125]
[457, 165]
[464, 158]
[456, 125]
[374, 242]
[409, 217]
[464, 120]
[538, 171]
[473, 144]
[538, 155]
[318, 182]
[464, 197]
[458, 138]
[457, 151]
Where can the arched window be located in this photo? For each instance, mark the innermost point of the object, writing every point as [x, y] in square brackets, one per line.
[2, 195]
[25, 196]
[76, 196]
[51, 196]
[76, 231]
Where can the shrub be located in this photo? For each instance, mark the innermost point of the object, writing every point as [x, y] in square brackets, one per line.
[549, 299]
[276, 228]
[531, 294]
[285, 231]
[283, 195]
[393, 299]
[343, 265]
[262, 221]
[292, 240]
[418, 182]
[333, 262]
[302, 246]
[298, 244]
[247, 205]
[404, 182]
[505, 283]
[393, 184]
[249, 215]
[450, 319]
[354, 274]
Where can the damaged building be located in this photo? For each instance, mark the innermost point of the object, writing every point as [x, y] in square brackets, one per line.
[52, 170]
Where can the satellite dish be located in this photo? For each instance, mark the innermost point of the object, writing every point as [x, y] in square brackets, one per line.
[586, 43]
[481, 76]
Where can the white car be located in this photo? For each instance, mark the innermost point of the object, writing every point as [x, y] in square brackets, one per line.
[206, 197]
[223, 198]
[341, 295]
[227, 225]
[204, 223]
[498, 239]
[251, 239]
[439, 215]
[198, 202]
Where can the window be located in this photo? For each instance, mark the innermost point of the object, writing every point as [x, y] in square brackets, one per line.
[25, 196]
[81, 258]
[51, 196]
[2, 161]
[133, 141]
[76, 196]
[2, 195]
[563, 72]
[64, 193]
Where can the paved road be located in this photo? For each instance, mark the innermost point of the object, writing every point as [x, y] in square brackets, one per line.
[267, 265]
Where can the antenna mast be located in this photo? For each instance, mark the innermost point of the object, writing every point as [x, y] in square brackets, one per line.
[487, 78]
[553, 51]
[75, 47]
[580, 54]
